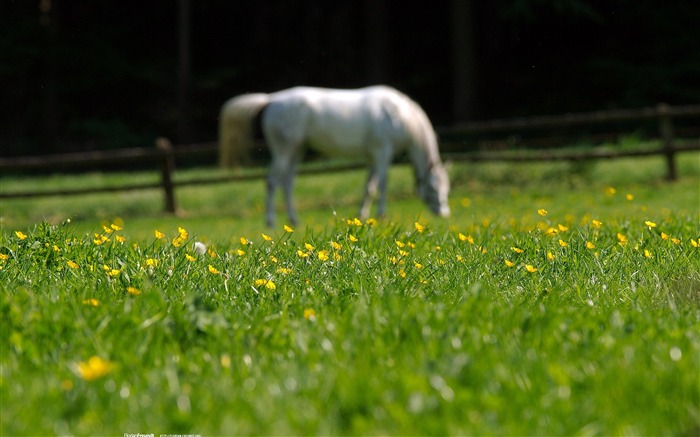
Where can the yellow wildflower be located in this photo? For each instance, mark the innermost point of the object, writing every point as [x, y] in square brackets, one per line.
[4, 256]
[468, 238]
[265, 282]
[107, 229]
[648, 254]
[301, 254]
[596, 223]
[542, 212]
[590, 245]
[288, 229]
[225, 361]
[322, 255]
[309, 247]
[610, 191]
[159, 234]
[284, 270]
[371, 221]
[353, 238]
[400, 243]
[550, 256]
[189, 257]
[650, 224]
[244, 241]
[151, 262]
[120, 238]
[517, 250]
[94, 368]
[664, 236]
[266, 237]
[563, 243]
[310, 314]
[100, 239]
[509, 263]
[113, 273]
[133, 291]
[419, 227]
[213, 270]
[562, 228]
[91, 302]
[629, 197]
[335, 246]
[115, 227]
[621, 239]
[418, 265]
[20, 235]
[530, 268]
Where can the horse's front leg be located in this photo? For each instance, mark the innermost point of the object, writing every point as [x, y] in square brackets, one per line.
[382, 163]
[377, 182]
[382, 176]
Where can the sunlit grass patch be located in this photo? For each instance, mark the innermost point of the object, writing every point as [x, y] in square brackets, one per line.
[503, 326]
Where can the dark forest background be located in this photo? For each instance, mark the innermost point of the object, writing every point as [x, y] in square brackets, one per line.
[85, 75]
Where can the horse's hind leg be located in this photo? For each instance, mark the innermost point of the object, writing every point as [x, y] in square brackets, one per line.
[377, 182]
[370, 193]
[282, 172]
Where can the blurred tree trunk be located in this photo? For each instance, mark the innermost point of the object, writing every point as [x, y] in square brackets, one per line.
[184, 71]
[49, 19]
[377, 40]
[463, 59]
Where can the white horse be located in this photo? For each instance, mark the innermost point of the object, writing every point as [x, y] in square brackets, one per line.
[374, 123]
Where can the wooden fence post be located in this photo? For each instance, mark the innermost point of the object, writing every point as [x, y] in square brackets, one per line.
[666, 130]
[167, 165]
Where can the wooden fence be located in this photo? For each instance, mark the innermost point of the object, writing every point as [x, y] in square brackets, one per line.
[164, 154]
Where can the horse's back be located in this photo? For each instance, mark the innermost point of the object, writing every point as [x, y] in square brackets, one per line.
[350, 122]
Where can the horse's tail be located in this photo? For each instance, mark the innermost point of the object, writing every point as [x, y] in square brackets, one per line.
[236, 128]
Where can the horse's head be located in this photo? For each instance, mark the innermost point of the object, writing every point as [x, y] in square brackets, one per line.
[434, 188]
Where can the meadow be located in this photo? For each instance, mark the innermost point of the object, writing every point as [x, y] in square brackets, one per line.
[557, 299]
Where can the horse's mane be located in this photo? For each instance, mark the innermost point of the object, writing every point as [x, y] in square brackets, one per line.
[421, 131]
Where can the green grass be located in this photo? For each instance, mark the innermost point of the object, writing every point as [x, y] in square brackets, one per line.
[499, 320]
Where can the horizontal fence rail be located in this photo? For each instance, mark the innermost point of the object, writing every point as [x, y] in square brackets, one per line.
[164, 154]
[574, 119]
